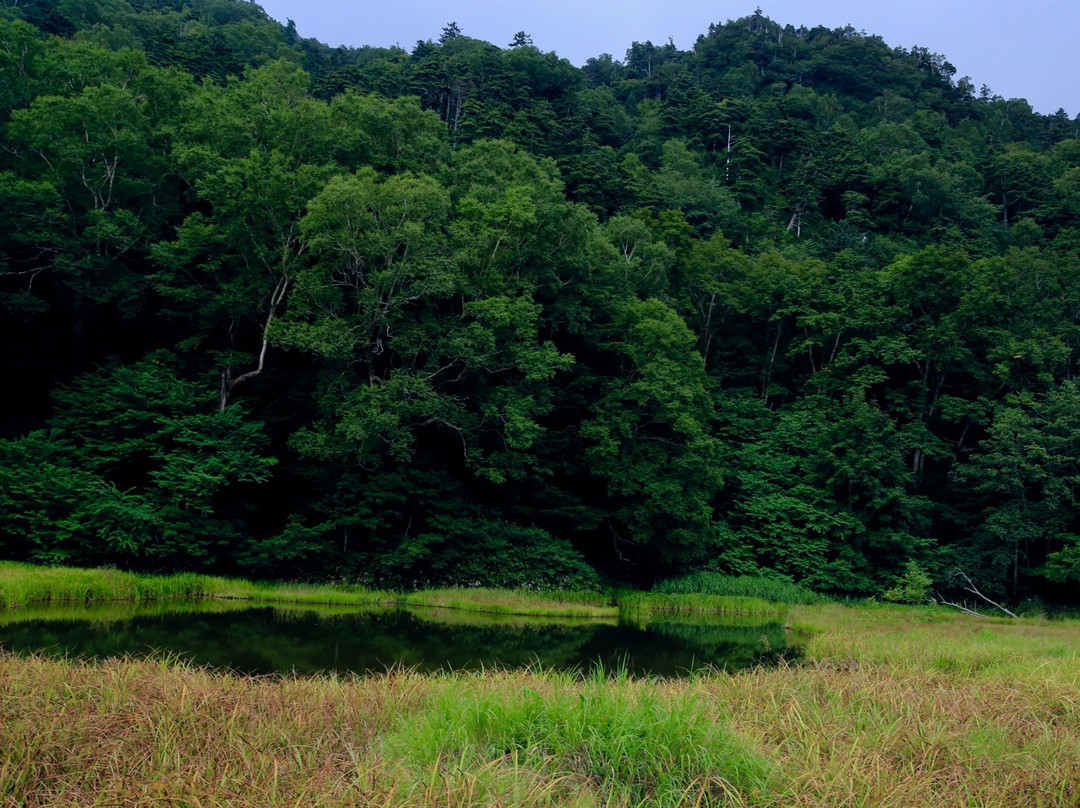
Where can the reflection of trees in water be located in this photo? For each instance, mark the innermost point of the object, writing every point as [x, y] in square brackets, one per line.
[113, 611]
[732, 646]
[268, 640]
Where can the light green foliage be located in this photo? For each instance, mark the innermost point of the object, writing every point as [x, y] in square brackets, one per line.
[21, 48]
[269, 110]
[387, 135]
[1064, 565]
[255, 153]
[911, 587]
[644, 261]
[93, 150]
[379, 258]
[799, 509]
[419, 321]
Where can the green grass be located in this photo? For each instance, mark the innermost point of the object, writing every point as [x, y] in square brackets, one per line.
[639, 604]
[632, 745]
[747, 586]
[22, 584]
[935, 638]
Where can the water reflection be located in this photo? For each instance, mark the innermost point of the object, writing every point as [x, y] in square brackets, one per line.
[308, 640]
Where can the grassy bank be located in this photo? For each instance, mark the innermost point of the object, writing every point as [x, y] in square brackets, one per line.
[23, 584]
[897, 707]
[647, 604]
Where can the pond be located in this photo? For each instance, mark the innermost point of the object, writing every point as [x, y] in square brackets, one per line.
[265, 639]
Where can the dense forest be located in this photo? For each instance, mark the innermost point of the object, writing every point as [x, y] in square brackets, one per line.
[794, 302]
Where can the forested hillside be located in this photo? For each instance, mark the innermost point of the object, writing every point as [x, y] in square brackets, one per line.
[795, 302]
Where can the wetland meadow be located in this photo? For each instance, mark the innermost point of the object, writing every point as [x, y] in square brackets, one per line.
[882, 705]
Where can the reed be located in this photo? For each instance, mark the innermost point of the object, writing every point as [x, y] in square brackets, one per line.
[24, 583]
[21, 584]
[747, 586]
[638, 604]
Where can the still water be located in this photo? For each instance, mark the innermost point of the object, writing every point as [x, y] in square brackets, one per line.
[308, 640]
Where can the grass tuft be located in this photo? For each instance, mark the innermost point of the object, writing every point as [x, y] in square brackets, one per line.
[638, 604]
[634, 743]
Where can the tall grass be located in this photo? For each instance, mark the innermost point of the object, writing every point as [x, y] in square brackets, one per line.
[635, 745]
[140, 733]
[23, 583]
[904, 706]
[639, 604]
[746, 586]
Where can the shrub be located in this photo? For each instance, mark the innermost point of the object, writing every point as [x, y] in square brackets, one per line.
[912, 587]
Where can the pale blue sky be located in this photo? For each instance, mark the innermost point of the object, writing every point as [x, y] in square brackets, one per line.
[1019, 49]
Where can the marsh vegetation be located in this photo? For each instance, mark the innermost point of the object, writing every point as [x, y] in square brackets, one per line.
[893, 706]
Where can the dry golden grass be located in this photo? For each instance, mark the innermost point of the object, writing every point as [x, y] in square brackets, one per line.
[142, 733]
[150, 733]
[862, 736]
[918, 707]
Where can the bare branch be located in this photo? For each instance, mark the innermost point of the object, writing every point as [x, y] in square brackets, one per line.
[958, 573]
[973, 590]
[964, 609]
[228, 381]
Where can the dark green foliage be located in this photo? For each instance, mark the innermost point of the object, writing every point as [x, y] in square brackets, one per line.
[136, 468]
[796, 305]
